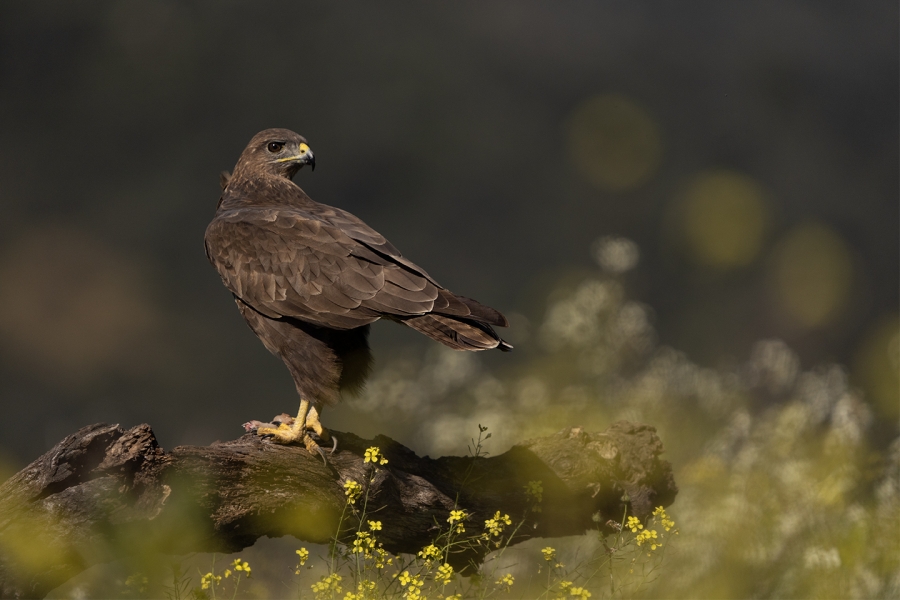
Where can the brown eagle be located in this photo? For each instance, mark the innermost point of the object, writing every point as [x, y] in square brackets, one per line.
[309, 279]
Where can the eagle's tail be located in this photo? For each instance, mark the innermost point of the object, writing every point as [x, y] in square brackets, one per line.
[457, 333]
[461, 323]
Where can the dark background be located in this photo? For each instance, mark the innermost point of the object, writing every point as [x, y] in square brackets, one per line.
[458, 131]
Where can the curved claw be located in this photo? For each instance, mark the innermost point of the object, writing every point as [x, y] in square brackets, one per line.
[334, 444]
[322, 454]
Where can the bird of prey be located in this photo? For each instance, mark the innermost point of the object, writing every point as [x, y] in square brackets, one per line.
[310, 278]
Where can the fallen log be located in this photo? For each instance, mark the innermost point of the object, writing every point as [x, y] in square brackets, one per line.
[103, 493]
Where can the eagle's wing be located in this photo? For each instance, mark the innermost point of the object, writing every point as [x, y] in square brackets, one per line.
[356, 229]
[446, 303]
[287, 262]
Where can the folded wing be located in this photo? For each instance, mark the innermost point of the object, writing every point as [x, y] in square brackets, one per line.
[329, 268]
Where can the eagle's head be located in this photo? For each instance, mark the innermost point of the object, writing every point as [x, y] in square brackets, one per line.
[278, 152]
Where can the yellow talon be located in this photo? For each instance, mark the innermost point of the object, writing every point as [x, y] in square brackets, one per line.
[290, 431]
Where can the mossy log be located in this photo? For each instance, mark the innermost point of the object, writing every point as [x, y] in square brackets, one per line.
[104, 492]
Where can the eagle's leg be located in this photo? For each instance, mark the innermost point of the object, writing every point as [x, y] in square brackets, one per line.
[313, 424]
[322, 361]
[295, 432]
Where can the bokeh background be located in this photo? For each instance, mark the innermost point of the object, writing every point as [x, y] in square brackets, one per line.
[714, 183]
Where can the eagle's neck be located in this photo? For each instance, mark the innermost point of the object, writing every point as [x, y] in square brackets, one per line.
[262, 190]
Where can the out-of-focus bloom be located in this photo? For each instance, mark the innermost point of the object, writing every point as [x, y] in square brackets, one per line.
[507, 581]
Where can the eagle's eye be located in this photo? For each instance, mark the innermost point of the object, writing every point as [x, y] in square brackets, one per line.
[274, 147]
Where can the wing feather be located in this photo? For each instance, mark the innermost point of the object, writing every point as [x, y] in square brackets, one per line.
[406, 280]
[392, 305]
[285, 264]
[428, 294]
[327, 267]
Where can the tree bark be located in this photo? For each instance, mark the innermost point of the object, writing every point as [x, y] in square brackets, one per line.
[104, 492]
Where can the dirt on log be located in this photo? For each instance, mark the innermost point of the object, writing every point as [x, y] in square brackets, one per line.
[104, 492]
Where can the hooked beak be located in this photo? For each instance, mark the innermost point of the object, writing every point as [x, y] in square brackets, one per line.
[305, 157]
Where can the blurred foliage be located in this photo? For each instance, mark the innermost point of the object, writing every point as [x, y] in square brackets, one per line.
[782, 494]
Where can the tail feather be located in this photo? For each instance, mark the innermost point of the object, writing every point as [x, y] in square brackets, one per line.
[459, 334]
[484, 313]
[450, 304]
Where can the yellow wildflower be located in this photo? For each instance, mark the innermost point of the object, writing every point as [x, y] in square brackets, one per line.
[382, 558]
[430, 553]
[374, 525]
[240, 565]
[549, 553]
[444, 574]
[364, 590]
[303, 555]
[209, 580]
[507, 581]
[373, 455]
[664, 519]
[648, 536]
[352, 490]
[414, 593]
[579, 592]
[327, 586]
[634, 524]
[495, 526]
[458, 516]
[414, 582]
[363, 544]
[227, 573]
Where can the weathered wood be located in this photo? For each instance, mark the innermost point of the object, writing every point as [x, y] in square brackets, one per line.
[104, 492]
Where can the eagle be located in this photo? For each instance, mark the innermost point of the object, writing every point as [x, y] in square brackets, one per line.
[309, 279]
